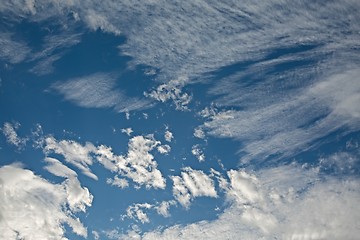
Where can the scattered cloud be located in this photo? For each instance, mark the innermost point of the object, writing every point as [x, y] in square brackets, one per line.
[118, 182]
[127, 131]
[172, 91]
[198, 152]
[33, 208]
[99, 91]
[286, 202]
[168, 136]
[164, 149]
[192, 183]
[199, 133]
[9, 130]
[138, 164]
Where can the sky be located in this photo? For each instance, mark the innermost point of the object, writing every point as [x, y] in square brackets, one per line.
[179, 119]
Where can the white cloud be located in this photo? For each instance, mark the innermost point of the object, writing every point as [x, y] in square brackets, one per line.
[286, 202]
[291, 123]
[99, 91]
[9, 130]
[192, 183]
[199, 133]
[172, 91]
[73, 153]
[198, 152]
[95, 21]
[33, 208]
[11, 50]
[164, 149]
[138, 164]
[118, 182]
[163, 208]
[58, 168]
[168, 136]
[127, 131]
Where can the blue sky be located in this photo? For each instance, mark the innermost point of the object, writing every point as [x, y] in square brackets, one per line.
[179, 120]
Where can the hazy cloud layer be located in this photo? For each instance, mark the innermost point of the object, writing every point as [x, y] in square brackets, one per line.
[99, 91]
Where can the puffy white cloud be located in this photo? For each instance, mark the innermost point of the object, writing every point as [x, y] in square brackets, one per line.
[164, 149]
[198, 152]
[73, 153]
[138, 164]
[168, 136]
[9, 130]
[98, 91]
[286, 202]
[127, 131]
[192, 183]
[119, 182]
[33, 208]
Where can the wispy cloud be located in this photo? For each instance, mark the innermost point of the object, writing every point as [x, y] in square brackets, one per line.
[290, 123]
[9, 131]
[99, 91]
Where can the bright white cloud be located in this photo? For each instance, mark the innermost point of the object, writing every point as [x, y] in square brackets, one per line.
[73, 153]
[168, 136]
[138, 164]
[127, 131]
[286, 202]
[192, 183]
[164, 149]
[9, 130]
[33, 208]
[198, 152]
[98, 91]
[118, 182]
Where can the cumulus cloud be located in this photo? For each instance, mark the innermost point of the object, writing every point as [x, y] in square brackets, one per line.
[168, 136]
[192, 183]
[164, 149]
[33, 208]
[285, 202]
[198, 152]
[199, 133]
[118, 182]
[99, 91]
[138, 164]
[127, 131]
[9, 130]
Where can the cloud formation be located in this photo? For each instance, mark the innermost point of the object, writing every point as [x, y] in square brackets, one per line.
[9, 131]
[33, 208]
[99, 91]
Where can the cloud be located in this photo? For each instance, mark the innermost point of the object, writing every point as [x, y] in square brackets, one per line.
[171, 91]
[164, 149]
[168, 136]
[128, 131]
[138, 164]
[73, 153]
[290, 123]
[285, 202]
[118, 182]
[33, 208]
[9, 130]
[138, 211]
[192, 183]
[99, 91]
[198, 153]
[11, 50]
[199, 133]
